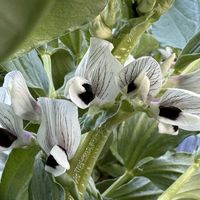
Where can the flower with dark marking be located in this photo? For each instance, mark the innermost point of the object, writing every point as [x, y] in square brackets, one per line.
[176, 109]
[93, 82]
[59, 133]
[140, 77]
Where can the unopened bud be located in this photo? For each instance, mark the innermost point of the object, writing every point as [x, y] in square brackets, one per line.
[99, 29]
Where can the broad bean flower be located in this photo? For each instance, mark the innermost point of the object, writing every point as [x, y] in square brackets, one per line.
[12, 134]
[93, 82]
[142, 77]
[59, 131]
[176, 109]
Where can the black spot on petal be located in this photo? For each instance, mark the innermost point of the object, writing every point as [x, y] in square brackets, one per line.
[88, 95]
[131, 87]
[51, 162]
[175, 128]
[134, 9]
[170, 112]
[6, 138]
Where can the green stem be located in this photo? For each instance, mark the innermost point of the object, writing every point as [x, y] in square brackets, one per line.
[129, 41]
[90, 149]
[46, 58]
[178, 184]
[121, 180]
[87, 155]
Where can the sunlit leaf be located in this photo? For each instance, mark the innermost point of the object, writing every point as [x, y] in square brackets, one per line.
[63, 15]
[34, 23]
[17, 19]
[190, 190]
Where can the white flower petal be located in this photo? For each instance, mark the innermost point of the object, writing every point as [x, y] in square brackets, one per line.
[129, 60]
[99, 67]
[184, 121]
[10, 121]
[11, 133]
[60, 156]
[167, 129]
[4, 96]
[57, 171]
[80, 92]
[144, 85]
[184, 100]
[59, 126]
[57, 162]
[147, 65]
[189, 81]
[23, 103]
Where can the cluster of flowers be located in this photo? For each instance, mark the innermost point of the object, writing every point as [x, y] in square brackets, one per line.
[98, 79]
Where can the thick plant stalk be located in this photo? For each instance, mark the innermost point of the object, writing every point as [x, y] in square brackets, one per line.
[177, 185]
[90, 149]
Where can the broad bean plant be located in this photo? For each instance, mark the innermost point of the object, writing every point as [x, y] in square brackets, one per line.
[100, 100]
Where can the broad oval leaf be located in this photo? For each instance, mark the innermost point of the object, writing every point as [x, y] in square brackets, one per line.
[31, 68]
[139, 188]
[138, 138]
[179, 24]
[17, 19]
[62, 63]
[17, 174]
[163, 171]
[190, 190]
[63, 16]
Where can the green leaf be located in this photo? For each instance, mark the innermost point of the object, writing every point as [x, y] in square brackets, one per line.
[31, 68]
[97, 116]
[179, 24]
[139, 188]
[63, 16]
[145, 45]
[76, 43]
[163, 171]
[62, 63]
[42, 186]
[92, 193]
[17, 19]
[138, 138]
[109, 165]
[190, 190]
[103, 185]
[17, 174]
[189, 54]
